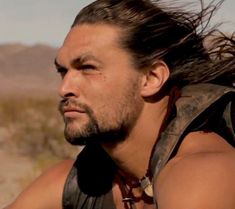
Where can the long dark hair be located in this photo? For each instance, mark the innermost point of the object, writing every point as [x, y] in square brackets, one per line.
[153, 32]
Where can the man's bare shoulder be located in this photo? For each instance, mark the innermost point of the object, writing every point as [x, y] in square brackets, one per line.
[46, 191]
[202, 175]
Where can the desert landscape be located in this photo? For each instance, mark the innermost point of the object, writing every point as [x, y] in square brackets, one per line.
[31, 129]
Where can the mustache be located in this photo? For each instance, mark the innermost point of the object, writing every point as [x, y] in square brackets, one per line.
[73, 104]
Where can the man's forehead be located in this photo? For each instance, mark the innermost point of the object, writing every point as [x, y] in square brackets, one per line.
[87, 40]
[97, 33]
[63, 57]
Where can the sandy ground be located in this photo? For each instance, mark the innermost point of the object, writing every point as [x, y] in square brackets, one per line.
[15, 173]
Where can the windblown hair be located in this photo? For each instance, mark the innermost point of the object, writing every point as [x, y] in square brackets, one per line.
[154, 32]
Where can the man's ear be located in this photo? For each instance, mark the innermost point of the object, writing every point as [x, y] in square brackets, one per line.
[154, 79]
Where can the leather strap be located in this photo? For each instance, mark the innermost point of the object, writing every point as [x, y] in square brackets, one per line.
[195, 101]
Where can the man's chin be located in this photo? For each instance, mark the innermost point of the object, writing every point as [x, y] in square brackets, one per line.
[76, 134]
[82, 140]
[109, 137]
[75, 139]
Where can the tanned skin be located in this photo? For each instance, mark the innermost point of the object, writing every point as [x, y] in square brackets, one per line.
[200, 176]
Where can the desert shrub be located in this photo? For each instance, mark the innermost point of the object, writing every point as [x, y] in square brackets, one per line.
[36, 128]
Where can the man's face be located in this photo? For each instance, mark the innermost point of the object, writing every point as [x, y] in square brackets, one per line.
[100, 88]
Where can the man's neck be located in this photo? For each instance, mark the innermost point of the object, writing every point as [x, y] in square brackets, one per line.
[132, 155]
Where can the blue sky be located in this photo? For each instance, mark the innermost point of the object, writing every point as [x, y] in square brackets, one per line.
[48, 21]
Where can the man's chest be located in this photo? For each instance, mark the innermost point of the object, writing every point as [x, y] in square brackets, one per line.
[133, 201]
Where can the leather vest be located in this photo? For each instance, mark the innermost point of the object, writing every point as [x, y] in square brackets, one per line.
[200, 107]
[89, 183]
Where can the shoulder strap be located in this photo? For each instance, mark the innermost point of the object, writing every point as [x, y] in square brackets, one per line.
[198, 104]
[88, 185]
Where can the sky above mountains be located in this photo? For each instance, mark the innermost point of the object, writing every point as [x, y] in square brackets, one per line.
[48, 21]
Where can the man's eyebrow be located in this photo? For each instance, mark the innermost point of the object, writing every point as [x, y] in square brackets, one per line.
[77, 62]
[57, 65]
[82, 59]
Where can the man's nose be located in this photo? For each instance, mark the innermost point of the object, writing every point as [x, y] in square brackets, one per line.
[70, 85]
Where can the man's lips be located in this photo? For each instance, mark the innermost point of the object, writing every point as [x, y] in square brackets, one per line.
[71, 111]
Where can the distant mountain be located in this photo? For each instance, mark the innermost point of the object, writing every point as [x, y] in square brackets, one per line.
[9, 49]
[27, 69]
[29, 60]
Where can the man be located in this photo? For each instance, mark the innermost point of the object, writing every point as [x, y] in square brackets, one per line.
[153, 139]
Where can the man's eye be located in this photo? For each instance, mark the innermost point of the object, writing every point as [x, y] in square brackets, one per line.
[62, 71]
[87, 67]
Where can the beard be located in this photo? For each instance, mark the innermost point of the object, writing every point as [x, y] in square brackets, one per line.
[104, 130]
[83, 134]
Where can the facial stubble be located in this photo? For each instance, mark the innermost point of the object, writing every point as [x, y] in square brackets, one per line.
[101, 130]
